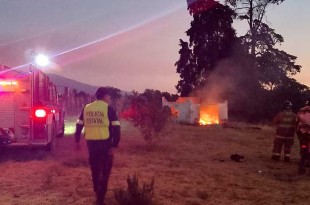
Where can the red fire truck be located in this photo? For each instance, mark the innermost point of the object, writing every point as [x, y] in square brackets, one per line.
[30, 110]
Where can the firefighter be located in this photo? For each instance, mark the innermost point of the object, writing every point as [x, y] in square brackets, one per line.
[303, 133]
[102, 134]
[286, 124]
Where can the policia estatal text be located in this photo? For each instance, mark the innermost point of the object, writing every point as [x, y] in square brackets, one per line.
[102, 134]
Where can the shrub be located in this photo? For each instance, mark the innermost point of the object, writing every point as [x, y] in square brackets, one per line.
[134, 195]
[148, 115]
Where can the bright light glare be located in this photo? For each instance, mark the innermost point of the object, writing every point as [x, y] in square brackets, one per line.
[40, 113]
[8, 83]
[42, 60]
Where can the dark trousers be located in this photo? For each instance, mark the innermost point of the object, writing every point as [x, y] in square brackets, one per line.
[100, 162]
[278, 144]
[304, 141]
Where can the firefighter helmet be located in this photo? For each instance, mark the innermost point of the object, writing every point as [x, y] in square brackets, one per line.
[287, 105]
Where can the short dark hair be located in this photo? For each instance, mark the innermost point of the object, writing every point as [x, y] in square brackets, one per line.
[101, 92]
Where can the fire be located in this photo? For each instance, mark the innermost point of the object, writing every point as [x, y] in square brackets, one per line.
[209, 114]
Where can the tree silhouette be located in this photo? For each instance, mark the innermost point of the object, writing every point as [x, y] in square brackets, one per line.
[187, 70]
[253, 11]
[211, 38]
[273, 64]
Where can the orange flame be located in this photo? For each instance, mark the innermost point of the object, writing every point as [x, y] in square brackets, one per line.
[209, 114]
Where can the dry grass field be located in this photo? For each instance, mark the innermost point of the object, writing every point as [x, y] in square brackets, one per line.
[192, 166]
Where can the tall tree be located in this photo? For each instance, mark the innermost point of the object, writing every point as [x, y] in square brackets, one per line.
[187, 70]
[211, 37]
[274, 65]
[253, 11]
[272, 68]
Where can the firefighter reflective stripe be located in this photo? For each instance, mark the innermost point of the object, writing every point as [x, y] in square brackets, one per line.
[288, 120]
[286, 125]
[281, 137]
[80, 122]
[115, 123]
[96, 120]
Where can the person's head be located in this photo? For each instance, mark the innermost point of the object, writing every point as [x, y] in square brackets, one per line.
[103, 94]
[287, 105]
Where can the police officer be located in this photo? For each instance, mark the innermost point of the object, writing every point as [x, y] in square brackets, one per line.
[303, 132]
[286, 124]
[102, 134]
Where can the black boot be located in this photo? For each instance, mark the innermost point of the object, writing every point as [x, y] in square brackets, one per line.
[275, 157]
[100, 196]
[99, 201]
[287, 159]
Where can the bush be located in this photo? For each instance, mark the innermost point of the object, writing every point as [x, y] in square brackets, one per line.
[134, 195]
[148, 115]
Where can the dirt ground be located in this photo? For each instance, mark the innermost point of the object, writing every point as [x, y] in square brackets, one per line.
[192, 166]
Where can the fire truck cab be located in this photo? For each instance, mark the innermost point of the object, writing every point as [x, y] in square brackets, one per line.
[31, 113]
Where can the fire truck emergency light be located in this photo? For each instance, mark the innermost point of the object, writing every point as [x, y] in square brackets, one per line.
[40, 113]
[3, 83]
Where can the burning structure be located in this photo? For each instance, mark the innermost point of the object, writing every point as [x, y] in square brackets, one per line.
[192, 110]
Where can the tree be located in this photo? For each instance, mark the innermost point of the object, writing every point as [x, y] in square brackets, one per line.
[211, 39]
[187, 70]
[253, 11]
[272, 68]
[115, 94]
[273, 64]
[288, 89]
[170, 97]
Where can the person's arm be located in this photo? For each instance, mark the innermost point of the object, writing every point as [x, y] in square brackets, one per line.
[115, 128]
[79, 127]
[277, 118]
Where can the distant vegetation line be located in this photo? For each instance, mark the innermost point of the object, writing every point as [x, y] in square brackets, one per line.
[62, 82]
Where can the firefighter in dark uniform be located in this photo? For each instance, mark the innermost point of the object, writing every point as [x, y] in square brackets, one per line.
[102, 134]
[303, 133]
[286, 125]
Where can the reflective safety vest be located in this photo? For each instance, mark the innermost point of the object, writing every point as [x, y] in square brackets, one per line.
[96, 121]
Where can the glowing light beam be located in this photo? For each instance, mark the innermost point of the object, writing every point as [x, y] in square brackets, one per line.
[150, 20]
